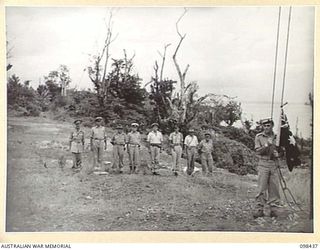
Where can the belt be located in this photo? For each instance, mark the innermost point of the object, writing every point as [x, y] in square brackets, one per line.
[133, 144]
[98, 139]
[119, 144]
[176, 144]
[155, 145]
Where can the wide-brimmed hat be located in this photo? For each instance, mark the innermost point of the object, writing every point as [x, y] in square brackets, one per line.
[98, 118]
[134, 124]
[119, 127]
[78, 121]
[154, 124]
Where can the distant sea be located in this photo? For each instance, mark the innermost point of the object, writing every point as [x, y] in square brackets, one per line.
[297, 114]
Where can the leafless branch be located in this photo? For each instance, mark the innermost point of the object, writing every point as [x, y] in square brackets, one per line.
[177, 24]
[163, 59]
[181, 75]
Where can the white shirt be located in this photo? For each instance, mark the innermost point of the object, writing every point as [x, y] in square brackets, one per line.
[191, 141]
[155, 137]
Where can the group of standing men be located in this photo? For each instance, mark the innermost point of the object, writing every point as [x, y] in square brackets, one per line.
[268, 191]
[98, 144]
[132, 143]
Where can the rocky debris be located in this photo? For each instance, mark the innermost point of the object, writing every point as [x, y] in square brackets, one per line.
[51, 144]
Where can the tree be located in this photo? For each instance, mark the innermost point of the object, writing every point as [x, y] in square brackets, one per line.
[43, 96]
[64, 79]
[182, 76]
[124, 84]
[57, 81]
[187, 103]
[124, 94]
[21, 96]
[99, 68]
[161, 90]
[222, 108]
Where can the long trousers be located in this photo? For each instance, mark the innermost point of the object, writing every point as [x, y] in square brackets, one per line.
[191, 157]
[176, 153]
[97, 148]
[134, 156]
[206, 162]
[155, 157]
[268, 184]
[118, 154]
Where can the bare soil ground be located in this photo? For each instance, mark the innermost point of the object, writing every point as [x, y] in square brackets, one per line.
[42, 196]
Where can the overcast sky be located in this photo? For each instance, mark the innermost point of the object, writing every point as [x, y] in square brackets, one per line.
[230, 49]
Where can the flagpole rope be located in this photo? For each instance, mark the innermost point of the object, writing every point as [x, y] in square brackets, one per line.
[275, 63]
[286, 56]
[284, 188]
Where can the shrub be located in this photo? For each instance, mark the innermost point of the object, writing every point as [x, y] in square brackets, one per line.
[234, 156]
[239, 135]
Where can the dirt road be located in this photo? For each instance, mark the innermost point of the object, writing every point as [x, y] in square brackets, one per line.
[43, 197]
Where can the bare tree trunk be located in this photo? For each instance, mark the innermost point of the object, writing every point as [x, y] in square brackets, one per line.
[99, 74]
[181, 75]
[163, 56]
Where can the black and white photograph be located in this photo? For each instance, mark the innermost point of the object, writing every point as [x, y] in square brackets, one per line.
[174, 119]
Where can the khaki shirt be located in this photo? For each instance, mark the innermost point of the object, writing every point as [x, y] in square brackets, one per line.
[191, 141]
[206, 147]
[119, 139]
[176, 138]
[98, 133]
[134, 138]
[155, 138]
[261, 140]
[77, 141]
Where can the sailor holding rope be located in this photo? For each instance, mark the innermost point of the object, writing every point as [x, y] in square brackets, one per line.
[268, 179]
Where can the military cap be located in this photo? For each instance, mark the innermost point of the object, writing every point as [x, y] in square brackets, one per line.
[78, 121]
[154, 124]
[267, 121]
[98, 118]
[134, 124]
[191, 130]
[119, 127]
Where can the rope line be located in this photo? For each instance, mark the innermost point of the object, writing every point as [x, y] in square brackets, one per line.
[275, 63]
[284, 188]
[286, 56]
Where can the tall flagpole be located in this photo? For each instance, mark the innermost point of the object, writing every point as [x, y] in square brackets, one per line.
[275, 63]
[286, 57]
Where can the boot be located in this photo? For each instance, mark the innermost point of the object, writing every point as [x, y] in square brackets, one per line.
[130, 170]
[134, 170]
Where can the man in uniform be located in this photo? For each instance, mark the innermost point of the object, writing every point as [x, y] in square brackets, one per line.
[134, 144]
[268, 180]
[119, 141]
[205, 150]
[155, 140]
[191, 144]
[76, 145]
[98, 142]
[176, 142]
